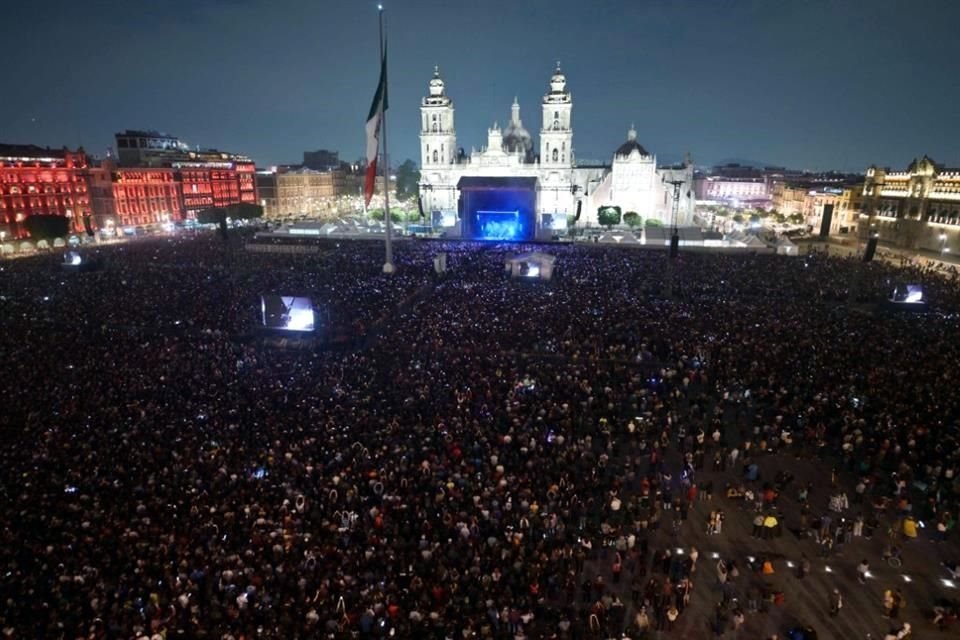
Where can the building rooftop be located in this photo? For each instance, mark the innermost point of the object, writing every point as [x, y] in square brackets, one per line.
[30, 151]
[144, 133]
[484, 182]
[630, 145]
[303, 170]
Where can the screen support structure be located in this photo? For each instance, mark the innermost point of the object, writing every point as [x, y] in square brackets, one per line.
[674, 235]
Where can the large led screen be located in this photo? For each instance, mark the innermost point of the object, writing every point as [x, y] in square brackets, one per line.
[499, 210]
[287, 313]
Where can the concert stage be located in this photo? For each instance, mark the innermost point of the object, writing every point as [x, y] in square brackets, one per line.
[499, 209]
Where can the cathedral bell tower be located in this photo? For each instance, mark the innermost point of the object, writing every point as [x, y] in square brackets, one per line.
[438, 138]
[556, 134]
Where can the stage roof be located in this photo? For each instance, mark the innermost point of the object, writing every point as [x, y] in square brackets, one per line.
[481, 182]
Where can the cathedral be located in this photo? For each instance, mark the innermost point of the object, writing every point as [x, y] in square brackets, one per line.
[632, 180]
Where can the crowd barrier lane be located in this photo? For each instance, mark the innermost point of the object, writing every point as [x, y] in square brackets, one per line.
[281, 248]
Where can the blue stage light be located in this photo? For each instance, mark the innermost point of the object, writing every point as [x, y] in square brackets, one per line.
[500, 212]
[499, 225]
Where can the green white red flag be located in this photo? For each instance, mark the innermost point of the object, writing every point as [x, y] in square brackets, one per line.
[374, 124]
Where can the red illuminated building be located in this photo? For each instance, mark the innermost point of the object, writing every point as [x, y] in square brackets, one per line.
[42, 181]
[159, 179]
[216, 184]
[134, 197]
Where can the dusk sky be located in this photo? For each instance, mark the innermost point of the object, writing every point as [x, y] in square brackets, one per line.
[807, 84]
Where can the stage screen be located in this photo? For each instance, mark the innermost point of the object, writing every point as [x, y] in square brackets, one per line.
[499, 208]
[444, 219]
[499, 225]
[908, 294]
[287, 313]
[530, 270]
[555, 221]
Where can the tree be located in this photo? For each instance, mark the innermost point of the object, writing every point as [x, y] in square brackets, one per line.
[608, 216]
[738, 217]
[796, 218]
[632, 219]
[213, 215]
[653, 222]
[408, 180]
[244, 211]
[47, 227]
[377, 214]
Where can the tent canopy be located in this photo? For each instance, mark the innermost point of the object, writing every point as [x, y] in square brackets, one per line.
[534, 256]
[619, 237]
[533, 265]
[786, 247]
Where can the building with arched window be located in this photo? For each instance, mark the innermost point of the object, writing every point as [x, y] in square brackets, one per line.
[918, 208]
[632, 180]
[42, 181]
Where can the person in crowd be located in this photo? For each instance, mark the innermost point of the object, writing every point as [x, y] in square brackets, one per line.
[457, 459]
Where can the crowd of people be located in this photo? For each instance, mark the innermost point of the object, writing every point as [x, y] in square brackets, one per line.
[483, 459]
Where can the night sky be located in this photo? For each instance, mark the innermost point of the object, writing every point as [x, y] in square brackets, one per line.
[807, 84]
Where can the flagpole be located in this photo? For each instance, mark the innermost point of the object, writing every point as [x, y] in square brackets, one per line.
[388, 266]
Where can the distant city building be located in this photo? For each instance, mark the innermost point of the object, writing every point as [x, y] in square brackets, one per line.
[148, 148]
[267, 192]
[305, 191]
[154, 149]
[790, 199]
[809, 195]
[746, 187]
[157, 178]
[847, 210]
[37, 180]
[749, 192]
[632, 181]
[321, 160]
[918, 208]
[297, 190]
[735, 171]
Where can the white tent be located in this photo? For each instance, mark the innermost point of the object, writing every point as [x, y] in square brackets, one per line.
[619, 237]
[785, 247]
[753, 242]
[533, 266]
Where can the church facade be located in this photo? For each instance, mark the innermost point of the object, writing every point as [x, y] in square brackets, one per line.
[632, 180]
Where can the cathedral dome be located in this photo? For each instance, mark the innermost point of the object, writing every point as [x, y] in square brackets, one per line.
[631, 145]
[515, 137]
[518, 139]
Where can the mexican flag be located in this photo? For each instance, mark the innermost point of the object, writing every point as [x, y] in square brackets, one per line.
[374, 121]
